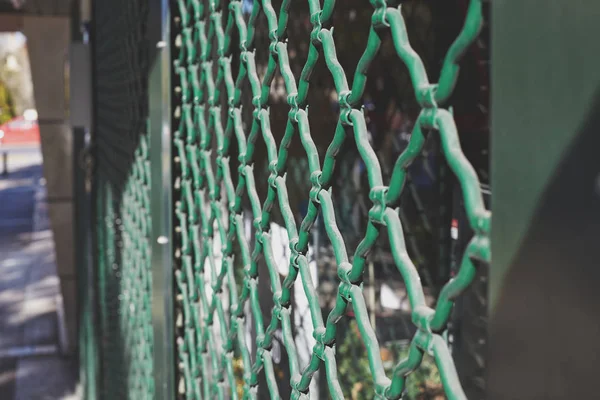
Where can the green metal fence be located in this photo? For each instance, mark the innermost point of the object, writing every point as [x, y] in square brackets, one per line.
[122, 200]
[213, 194]
[236, 314]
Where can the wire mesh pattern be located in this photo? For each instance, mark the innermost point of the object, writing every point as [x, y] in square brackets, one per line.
[122, 188]
[126, 316]
[210, 210]
[130, 359]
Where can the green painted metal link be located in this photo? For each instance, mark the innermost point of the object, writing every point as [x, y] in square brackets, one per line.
[136, 312]
[210, 210]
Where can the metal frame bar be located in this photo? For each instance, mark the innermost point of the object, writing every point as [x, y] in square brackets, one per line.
[96, 307]
[160, 156]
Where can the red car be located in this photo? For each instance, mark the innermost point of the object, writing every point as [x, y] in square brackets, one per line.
[20, 131]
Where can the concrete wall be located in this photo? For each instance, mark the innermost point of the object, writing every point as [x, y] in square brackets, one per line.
[48, 39]
[48, 43]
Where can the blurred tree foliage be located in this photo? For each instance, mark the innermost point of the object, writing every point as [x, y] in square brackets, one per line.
[7, 111]
[355, 376]
[15, 71]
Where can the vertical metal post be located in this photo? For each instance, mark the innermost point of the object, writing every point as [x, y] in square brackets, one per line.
[160, 160]
[83, 257]
[544, 320]
[80, 115]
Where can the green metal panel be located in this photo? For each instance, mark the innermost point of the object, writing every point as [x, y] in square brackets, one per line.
[209, 125]
[545, 324]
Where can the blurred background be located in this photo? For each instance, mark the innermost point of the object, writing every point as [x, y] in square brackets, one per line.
[36, 349]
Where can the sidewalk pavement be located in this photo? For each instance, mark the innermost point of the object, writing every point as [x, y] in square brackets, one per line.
[29, 292]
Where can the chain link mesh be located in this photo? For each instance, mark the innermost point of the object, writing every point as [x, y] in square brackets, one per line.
[122, 185]
[216, 68]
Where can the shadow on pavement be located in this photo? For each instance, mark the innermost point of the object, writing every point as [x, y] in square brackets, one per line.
[29, 290]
